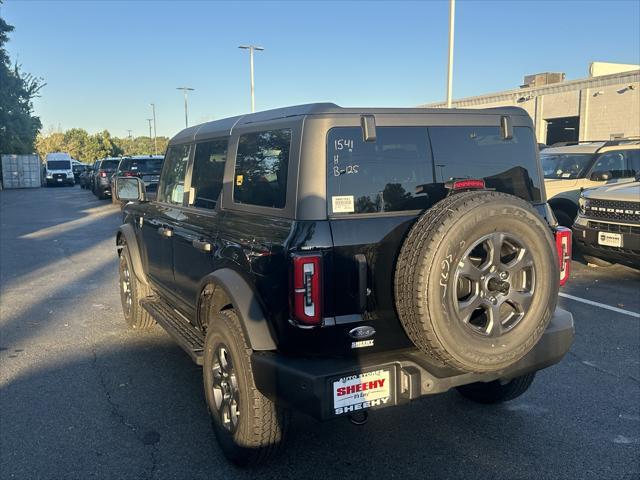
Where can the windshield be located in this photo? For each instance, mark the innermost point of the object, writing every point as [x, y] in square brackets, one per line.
[144, 165]
[59, 165]
[109, 164]
[565, 166]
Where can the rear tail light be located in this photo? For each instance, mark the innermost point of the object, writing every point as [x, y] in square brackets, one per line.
[563, 245]
[129, 174]
[306, 289]
[103, 174]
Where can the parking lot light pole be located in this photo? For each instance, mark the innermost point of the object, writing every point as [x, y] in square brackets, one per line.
[155, 138]
[251, 49]
[149, 120]
[452, 14]
[186, 91]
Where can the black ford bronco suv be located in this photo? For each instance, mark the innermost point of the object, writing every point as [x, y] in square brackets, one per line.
[335, 260]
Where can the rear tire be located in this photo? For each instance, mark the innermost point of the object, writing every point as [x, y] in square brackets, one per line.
[497, 391]
[249, 427]
[131, 292]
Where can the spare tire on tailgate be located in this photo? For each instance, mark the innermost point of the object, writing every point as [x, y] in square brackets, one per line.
[476, 281]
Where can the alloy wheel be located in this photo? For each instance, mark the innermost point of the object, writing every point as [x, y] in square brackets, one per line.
[226, 395]
[494, 284]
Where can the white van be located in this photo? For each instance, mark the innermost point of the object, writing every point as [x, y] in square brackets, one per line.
[58, 170]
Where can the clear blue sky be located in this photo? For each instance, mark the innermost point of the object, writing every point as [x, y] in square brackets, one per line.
[105, 61]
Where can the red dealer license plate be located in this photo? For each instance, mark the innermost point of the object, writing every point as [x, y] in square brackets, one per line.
[362, 391]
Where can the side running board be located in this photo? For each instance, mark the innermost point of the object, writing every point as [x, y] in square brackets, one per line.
[183, 332]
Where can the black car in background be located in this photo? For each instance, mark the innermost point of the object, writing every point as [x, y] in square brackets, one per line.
[101, 176]
[145, 167]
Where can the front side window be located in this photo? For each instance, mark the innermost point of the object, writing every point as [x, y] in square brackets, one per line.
[171, 188]
[618, 164]
[261, 168]
[507, 165]
[208, 171]
[388, 175]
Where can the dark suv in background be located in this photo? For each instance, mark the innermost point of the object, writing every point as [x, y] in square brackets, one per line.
[145, 167]
[335, 260]
[101, 176]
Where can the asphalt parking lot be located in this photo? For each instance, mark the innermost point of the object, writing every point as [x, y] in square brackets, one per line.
[82, 397]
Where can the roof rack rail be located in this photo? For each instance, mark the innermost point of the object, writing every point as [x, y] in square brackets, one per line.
[606, 143]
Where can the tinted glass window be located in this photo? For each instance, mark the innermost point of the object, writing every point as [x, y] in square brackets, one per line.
[171, 188]
[261, 168]
[146, 165]
[619, 164]
[633, 159]
[208, 170]
[58, 165]
[563, 165]
[509, 166]
[390, 174]
[109, 164]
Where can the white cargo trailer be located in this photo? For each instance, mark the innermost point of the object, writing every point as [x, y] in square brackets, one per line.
[21, 171]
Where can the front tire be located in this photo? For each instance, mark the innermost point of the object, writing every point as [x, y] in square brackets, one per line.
[131, 292]
[497, 391]
[249, 427]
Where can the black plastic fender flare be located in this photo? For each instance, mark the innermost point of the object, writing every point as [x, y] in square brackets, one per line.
[245, 302]
[129, 235]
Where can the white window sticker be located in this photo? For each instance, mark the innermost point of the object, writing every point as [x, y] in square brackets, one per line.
[362, 391]
[342, 204]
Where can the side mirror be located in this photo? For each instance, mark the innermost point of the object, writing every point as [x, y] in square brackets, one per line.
[130, 189]
[600, 176]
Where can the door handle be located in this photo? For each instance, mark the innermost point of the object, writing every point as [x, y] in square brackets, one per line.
[202, 246]
[166, 231]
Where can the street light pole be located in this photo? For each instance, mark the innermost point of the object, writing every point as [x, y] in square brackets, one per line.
[251, 49]
[185, 90]
[155, 138]
[149, 120]
[452, 14]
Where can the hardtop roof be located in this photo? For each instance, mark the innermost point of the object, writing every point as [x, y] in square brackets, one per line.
[225, 126]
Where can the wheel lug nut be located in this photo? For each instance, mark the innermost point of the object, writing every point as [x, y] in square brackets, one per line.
[504, 275]
[492, 300]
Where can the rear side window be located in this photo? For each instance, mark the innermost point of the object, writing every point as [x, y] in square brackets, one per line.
[388, 175]
[208, 171]
[509, 166]
[261, 168]
[171, 187]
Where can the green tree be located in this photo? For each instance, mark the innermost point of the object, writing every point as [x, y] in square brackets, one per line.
[75, 142]
[18, 126]
[53, 142]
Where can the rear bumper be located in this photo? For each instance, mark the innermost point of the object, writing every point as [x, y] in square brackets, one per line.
[306, 384]
[586, 239]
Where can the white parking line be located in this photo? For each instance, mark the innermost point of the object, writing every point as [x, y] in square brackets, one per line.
[601, 305]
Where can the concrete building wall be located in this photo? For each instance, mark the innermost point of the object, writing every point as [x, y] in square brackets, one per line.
[606, 105]
[613, 110]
